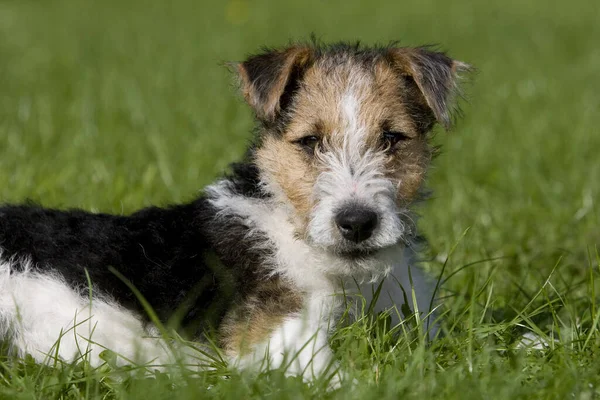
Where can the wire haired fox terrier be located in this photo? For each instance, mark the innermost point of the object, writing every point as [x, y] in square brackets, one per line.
[321, 201]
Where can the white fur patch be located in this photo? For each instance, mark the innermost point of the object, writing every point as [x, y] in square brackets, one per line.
[42, 316]
[300, 344]
[350, 111]
[353, 174]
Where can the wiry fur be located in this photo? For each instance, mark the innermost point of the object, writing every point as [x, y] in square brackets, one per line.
[43, 316]
[260, 259]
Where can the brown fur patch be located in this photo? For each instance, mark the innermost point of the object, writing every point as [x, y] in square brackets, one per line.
[262, 312]
[385, 100]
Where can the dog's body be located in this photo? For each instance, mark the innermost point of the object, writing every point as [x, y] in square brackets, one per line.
[263, 256]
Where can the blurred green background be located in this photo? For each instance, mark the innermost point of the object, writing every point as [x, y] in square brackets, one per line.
[115, 105]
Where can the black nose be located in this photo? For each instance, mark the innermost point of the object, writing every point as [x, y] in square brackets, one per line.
[356, 223]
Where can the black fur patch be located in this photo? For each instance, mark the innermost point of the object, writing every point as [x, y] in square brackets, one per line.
[189, 264]
[245, 177]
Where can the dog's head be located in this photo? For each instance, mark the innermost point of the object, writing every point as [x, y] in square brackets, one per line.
[343, 137]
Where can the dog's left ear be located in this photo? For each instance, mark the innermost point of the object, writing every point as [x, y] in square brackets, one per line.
[436, 76]
[268, 79]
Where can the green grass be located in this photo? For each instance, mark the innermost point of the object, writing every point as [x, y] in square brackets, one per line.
[115, 105]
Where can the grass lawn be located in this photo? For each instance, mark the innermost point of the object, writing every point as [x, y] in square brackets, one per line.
[115, 105]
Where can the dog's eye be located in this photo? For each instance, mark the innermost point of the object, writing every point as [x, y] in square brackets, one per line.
[309, 143]
[390, 138]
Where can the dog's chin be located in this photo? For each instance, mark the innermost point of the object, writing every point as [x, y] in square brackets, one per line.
[367, 264]
[358, 254]
[360, 263]
[362, 251]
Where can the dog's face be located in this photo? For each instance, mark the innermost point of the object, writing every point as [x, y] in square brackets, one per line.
[343, 137]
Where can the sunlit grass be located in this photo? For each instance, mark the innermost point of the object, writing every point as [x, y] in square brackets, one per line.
[112, 106]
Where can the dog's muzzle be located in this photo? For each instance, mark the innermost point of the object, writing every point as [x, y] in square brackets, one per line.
[356, 223]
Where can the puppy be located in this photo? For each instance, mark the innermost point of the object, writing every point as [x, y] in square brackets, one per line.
[321, 201]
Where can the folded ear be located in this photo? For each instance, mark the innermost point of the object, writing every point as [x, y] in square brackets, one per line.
[269, 79]
[436, 75]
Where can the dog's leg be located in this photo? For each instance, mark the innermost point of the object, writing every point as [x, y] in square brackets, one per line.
[299, 346]
[296, 341]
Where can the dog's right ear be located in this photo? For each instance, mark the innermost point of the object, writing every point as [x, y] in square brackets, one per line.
[435, 74]
[269, 79]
